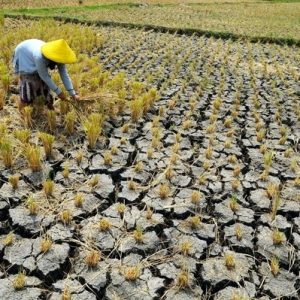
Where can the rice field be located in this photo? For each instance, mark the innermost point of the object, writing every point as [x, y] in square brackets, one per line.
[176, 177]
[256, 20]
[13, 4]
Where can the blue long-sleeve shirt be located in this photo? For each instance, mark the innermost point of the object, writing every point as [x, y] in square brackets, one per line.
[29, 59]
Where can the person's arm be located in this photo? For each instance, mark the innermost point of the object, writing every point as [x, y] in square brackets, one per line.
[64, 75]
[41, 66]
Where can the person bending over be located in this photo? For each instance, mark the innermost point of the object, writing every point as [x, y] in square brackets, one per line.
[32, 60]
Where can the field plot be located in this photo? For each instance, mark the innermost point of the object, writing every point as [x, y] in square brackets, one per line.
[177, 177]
[255, 20]
[279, 20]
[15, 4]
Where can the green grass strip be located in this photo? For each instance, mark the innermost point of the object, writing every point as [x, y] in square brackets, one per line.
[65, 9]
[283, 1]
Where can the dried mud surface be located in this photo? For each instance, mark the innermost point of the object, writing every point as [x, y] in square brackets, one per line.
[202, 204]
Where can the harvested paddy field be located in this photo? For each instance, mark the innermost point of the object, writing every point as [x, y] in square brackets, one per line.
[14, 4]
[176, 176]
[266, 21]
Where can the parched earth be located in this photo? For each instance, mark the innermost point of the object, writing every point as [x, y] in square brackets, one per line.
[206, 216]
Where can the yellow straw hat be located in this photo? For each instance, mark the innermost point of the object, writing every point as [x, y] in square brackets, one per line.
[59, 51]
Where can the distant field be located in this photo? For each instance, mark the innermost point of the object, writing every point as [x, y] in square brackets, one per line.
[223, 19]
[13, 4]
[176, 177]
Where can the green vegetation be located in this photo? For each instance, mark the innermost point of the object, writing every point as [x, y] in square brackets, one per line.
[68, 10]
[283, 1]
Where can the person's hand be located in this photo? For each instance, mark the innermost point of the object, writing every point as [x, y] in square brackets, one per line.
[62, 96]
[75, 97]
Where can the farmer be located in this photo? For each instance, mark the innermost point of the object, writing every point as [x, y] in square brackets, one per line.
[31, 60]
